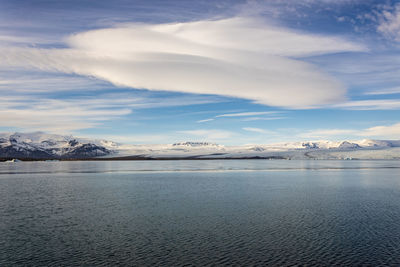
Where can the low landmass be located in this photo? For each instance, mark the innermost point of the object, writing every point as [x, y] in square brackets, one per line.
[42, 146]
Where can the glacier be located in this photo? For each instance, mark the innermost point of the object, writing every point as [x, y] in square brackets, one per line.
[40, 145]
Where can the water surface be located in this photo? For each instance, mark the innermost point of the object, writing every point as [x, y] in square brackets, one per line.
[217, 212]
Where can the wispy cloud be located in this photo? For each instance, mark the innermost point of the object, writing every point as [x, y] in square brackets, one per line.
[389, 24]
[380, 104]
[387, 91]
[203, 57]
[12, 82]
[137, 139]
[206, 120]
[263, 118]
[246, 114]
[390, 131]
[29, 114]
[35, 112]
[258, 130]
[208, 134]
[327, 133]
[382, 132]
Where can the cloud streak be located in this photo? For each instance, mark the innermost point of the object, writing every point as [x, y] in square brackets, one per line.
[258, 130]
[328, 133]
[208, 134]
[35, 112]
[388, 91]
[236, 57]
[389, 24]
[205, 120]
[379, 104]
[29, 113]
[382, 131]
[247, 114]
[391, 131]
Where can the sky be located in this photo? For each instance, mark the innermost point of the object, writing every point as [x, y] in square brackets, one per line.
[229, 72]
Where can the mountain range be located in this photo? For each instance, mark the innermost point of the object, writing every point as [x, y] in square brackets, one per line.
[40, 146]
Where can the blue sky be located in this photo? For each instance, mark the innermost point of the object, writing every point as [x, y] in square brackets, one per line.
[230, 72]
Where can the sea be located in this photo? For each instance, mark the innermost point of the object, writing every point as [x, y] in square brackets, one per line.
[200, 213]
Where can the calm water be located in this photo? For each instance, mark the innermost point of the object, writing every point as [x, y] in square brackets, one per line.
[171, 213]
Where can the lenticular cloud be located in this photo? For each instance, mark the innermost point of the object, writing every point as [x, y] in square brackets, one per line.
[235, 57]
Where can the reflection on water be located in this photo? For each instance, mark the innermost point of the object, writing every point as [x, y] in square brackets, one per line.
[200, 212]
[191, 165]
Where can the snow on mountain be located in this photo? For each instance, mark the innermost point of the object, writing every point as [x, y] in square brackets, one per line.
[195, 144]
[348, 145]
[182, 149]
[379, 143]
[292, 150]
[40, 145]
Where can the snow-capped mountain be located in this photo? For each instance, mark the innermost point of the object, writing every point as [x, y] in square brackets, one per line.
[40, 145]
[48, 146]
[195, 144]
[364, 149]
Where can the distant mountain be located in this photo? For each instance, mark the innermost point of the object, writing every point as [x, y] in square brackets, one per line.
[364, 149]
[195, 144]
[348, 145]
[48, 146]
[40, 145]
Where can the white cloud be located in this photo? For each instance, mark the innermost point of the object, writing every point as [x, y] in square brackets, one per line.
[381, 132]
[391, 131]
[137, 139]
[15, 40]
[208, 134]
[247, 114]
[389, 24]
[237, 57]
[258, 130]
[328, 133]
[225, 137]
[30, 114]
[18, 82]
[363, 71]
[282, 9]
[206, 120]
[388, 91]
[263, 118]
[38, 113]
[380, 104]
